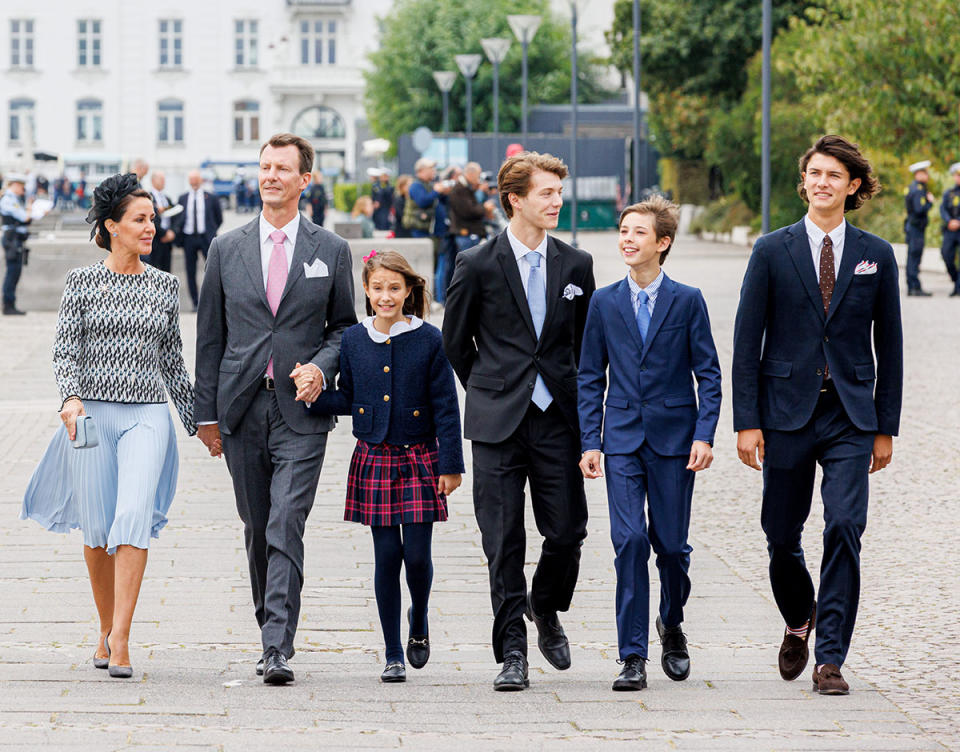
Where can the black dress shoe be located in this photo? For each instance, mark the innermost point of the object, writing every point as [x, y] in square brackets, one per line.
[955, 293]
[260, 667]
[9, 310]
[513, 675]
[918, 293]
[551, 639]
[675, 659]
[275, 668]
[633, 676]
[394, 672]
[418, 647]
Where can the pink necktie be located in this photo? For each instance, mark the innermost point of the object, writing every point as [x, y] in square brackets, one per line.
[276, 278]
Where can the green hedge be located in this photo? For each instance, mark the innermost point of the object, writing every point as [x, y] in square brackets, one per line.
[345, 195]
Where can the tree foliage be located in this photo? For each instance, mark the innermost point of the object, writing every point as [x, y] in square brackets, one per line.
[422, 36]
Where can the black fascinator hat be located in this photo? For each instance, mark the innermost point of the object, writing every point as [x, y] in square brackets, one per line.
[108, 200]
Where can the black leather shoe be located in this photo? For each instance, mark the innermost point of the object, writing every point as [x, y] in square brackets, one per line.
[955, 293]
[918, 293]
[260, 667]
[551, 639]
[675, 659]
[275, 668]
[513, 675]
[633, 675]
[418, 648]
[9, 310]
[394, 672]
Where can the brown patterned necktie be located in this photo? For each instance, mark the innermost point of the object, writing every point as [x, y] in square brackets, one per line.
[828, 274]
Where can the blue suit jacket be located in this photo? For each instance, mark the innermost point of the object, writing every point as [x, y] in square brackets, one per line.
[651, 395]
[782, 339]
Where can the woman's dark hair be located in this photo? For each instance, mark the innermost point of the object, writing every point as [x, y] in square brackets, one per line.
[110, 201]
[418, 300]
[848, 154]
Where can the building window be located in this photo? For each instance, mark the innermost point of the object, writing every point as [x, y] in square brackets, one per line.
[21, 43]
[88, 43]
[90, 121]
[318, 42]
[171, 43]
[245, 43]
[170, 121]
[21, 120]
[319, 122]
[246, 121]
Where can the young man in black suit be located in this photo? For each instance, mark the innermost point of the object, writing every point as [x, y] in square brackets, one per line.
[514, 320]
[819, 298]
[197, 227]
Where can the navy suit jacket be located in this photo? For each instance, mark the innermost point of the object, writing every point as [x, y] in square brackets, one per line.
[782, 339]
[212, 217]
[651, 395]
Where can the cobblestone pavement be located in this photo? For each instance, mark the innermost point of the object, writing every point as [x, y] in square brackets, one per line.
[195, 641]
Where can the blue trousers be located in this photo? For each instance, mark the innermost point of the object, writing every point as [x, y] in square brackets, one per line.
[790, 461]
[915, 238]
[665, 486]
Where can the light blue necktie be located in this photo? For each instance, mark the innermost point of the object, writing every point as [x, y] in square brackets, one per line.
[537, 300]
[643, 314]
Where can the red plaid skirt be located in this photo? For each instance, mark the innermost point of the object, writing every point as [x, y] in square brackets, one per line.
[391, 484]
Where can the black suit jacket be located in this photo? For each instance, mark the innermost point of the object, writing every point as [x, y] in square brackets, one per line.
[212, 212]
[489, 337]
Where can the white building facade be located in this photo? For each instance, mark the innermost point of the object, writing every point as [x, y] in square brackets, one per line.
[101, 82]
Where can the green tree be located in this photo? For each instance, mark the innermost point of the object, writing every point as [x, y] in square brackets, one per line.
[421, 36]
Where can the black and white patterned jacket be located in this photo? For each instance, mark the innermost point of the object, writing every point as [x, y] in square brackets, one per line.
[118, 339]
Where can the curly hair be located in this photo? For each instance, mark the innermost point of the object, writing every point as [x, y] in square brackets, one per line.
[848, 154]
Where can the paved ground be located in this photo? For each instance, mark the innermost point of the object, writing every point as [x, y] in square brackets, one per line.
[195, 640]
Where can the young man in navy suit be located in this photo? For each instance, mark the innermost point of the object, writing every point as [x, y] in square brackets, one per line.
[653, 335]
[819, 298]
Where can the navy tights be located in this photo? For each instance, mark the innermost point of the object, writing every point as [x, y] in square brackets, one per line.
[412, 550]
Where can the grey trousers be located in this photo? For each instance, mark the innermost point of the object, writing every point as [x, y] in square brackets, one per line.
[275, 473]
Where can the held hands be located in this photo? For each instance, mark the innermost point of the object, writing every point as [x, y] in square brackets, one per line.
[953, 225]
[701, 456]
[750, 447]
[210, 436]
[309, 382]
[72, 409]
[882, 452]
[590, 464]
[449, 483]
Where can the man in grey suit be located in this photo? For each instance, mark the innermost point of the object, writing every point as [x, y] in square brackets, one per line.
[277, 293]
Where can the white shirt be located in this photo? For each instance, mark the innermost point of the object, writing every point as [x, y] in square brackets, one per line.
[196, 214]
[161, 201]
[266, 244]
[651, 290]
[815, 235]
[401, 327]
[520, 251]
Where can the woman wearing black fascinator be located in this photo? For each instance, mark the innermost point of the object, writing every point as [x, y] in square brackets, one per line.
[111, 468]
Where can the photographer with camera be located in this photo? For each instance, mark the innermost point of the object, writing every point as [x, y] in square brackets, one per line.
[14, 218]
[467, 215]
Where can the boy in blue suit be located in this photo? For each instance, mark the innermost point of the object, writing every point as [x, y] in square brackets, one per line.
[819, 298]
[653, 335]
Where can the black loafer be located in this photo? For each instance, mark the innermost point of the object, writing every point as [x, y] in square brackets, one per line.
[275, 668]
[418, 647]
[633, 675]
[551, 638]
[675, 658]
[394, 672]
[513, 676]
[260, 667]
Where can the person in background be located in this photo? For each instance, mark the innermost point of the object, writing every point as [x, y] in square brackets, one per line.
[382, 201]
[363, 213]
[950, 214]
[14, 223]
[400, 197]
[163, 240]
[467, 214]
[316, 195]
[919, 201]
[197, 227]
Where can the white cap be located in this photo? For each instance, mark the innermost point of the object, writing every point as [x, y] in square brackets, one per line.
[917, 166]
[373, 172]
[15, 177]
[955, 168]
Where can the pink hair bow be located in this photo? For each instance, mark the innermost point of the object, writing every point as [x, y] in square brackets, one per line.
[369, 256]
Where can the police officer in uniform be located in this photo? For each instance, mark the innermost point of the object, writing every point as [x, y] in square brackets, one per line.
[950, 214]
[14, 219]
[919, 201]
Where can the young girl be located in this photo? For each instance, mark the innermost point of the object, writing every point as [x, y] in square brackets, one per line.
[397, 384]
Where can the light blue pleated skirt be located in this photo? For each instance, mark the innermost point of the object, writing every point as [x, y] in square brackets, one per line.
[118, 493]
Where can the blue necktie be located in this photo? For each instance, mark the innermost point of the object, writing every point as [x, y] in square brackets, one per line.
[537, 300]
[643, 314]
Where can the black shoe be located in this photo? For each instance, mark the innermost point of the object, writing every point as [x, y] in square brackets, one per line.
[418, 648]
[675, 658]
[9, 310]
[551, 639]
[394, 672]
[633, 676]
[513, 675]
[955, 293]
[260, 667]
[918, 293]
[275, 668]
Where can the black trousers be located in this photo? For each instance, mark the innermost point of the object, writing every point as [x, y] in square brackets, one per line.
[545, 451]
[193, 245]
[159, 257]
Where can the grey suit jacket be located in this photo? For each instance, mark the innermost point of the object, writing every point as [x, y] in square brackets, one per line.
[237, 333]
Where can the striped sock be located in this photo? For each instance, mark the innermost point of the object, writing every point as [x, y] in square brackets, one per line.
[801, 631]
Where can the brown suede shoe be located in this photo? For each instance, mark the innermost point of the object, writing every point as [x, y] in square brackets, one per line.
[829, 681]
[794, 652]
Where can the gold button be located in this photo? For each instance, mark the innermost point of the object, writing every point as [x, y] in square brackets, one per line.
[361, 411]
[386, 398]
[388, 341]
[416, 413]
[386, 369]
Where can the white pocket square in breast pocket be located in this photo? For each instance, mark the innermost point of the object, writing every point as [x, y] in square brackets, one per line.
[571, 291]
[316, 269]
[866, 267]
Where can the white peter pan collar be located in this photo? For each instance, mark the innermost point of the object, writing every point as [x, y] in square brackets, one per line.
[401, 327]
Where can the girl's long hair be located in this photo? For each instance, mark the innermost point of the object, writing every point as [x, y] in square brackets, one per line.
[418, 301]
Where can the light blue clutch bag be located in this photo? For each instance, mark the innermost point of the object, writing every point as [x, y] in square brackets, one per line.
[86, 436]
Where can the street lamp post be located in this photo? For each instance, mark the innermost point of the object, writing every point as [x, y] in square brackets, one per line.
[496, 49]
[573, 123]
[445, 81]
[765, 123]
[468, 65]
[636, 100]
[524, 27]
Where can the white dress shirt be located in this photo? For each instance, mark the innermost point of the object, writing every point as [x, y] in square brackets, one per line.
[266, 244]
[815, 235]
[161, 201]
[520, 251]
[196, 221]
[651, 290]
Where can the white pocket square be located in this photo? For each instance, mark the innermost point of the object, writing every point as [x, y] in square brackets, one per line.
[571, 291]
[866, 267]
[316, 269]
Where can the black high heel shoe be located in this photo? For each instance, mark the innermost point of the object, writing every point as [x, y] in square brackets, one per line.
[102, 662]
[117, 672]
[418, 647]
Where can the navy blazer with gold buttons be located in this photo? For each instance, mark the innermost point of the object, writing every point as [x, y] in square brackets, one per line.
[401, 391]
